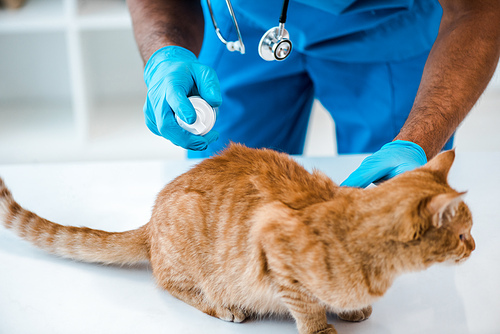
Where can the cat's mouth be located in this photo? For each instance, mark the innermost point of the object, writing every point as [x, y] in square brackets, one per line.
[463, 258]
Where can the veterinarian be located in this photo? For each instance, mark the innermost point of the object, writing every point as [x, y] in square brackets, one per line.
[397, 76]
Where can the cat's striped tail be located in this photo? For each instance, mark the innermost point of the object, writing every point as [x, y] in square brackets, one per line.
[78, 243]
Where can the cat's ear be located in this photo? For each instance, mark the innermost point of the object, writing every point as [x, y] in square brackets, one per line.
[442, 207]
[441, 163]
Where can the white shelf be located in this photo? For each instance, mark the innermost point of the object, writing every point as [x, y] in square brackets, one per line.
[50, 15]
[71, 84]
[35, 16]
[97, 15]
[118, 130]
[45, 131]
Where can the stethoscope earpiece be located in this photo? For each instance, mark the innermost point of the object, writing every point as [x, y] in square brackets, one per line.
[231, 46]
[235, 46]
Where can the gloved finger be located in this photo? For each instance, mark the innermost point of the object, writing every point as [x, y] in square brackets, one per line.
[402, 168]
[181, 106]
[365, 174]
[207, 84]
[211, 136]
[149, 118]
[170, 130]
[358, 178]
[392, 159]
[196, 143]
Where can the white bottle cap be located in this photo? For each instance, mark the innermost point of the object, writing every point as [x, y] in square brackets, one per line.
[205, 117]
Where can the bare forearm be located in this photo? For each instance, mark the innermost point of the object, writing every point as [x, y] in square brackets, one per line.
[158, 23]
[458, 69]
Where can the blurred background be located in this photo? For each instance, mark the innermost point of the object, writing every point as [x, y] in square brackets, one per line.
[71, 89]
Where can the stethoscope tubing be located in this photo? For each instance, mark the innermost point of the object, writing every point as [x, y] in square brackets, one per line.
[270, 41]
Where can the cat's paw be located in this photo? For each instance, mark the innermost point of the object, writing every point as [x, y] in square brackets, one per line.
[357, 315]
[329, 330]
[231, 314]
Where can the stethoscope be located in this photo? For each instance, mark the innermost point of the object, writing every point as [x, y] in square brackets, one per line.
[274, 45]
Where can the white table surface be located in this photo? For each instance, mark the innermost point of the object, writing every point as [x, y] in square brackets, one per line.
[40, 293]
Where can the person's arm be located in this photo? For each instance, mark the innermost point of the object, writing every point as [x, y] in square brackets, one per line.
[169, 34]
[459, 67]
[159, 23]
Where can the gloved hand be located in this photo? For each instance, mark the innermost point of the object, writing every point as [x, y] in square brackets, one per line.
[392, 159]
[172, 74]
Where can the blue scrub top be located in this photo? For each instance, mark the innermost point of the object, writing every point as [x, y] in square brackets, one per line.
[351, 30]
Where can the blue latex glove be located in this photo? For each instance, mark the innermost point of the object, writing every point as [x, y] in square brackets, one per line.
[392, 159]
[172, 74]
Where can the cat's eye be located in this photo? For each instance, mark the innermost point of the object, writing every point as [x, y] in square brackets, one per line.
[462, 237]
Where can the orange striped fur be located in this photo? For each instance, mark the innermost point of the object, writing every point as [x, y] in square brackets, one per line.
[251, 232]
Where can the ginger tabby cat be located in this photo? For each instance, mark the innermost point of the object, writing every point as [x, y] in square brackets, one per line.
[252, 232]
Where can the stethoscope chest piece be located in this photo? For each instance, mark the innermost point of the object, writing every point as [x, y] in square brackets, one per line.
[275, 44]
